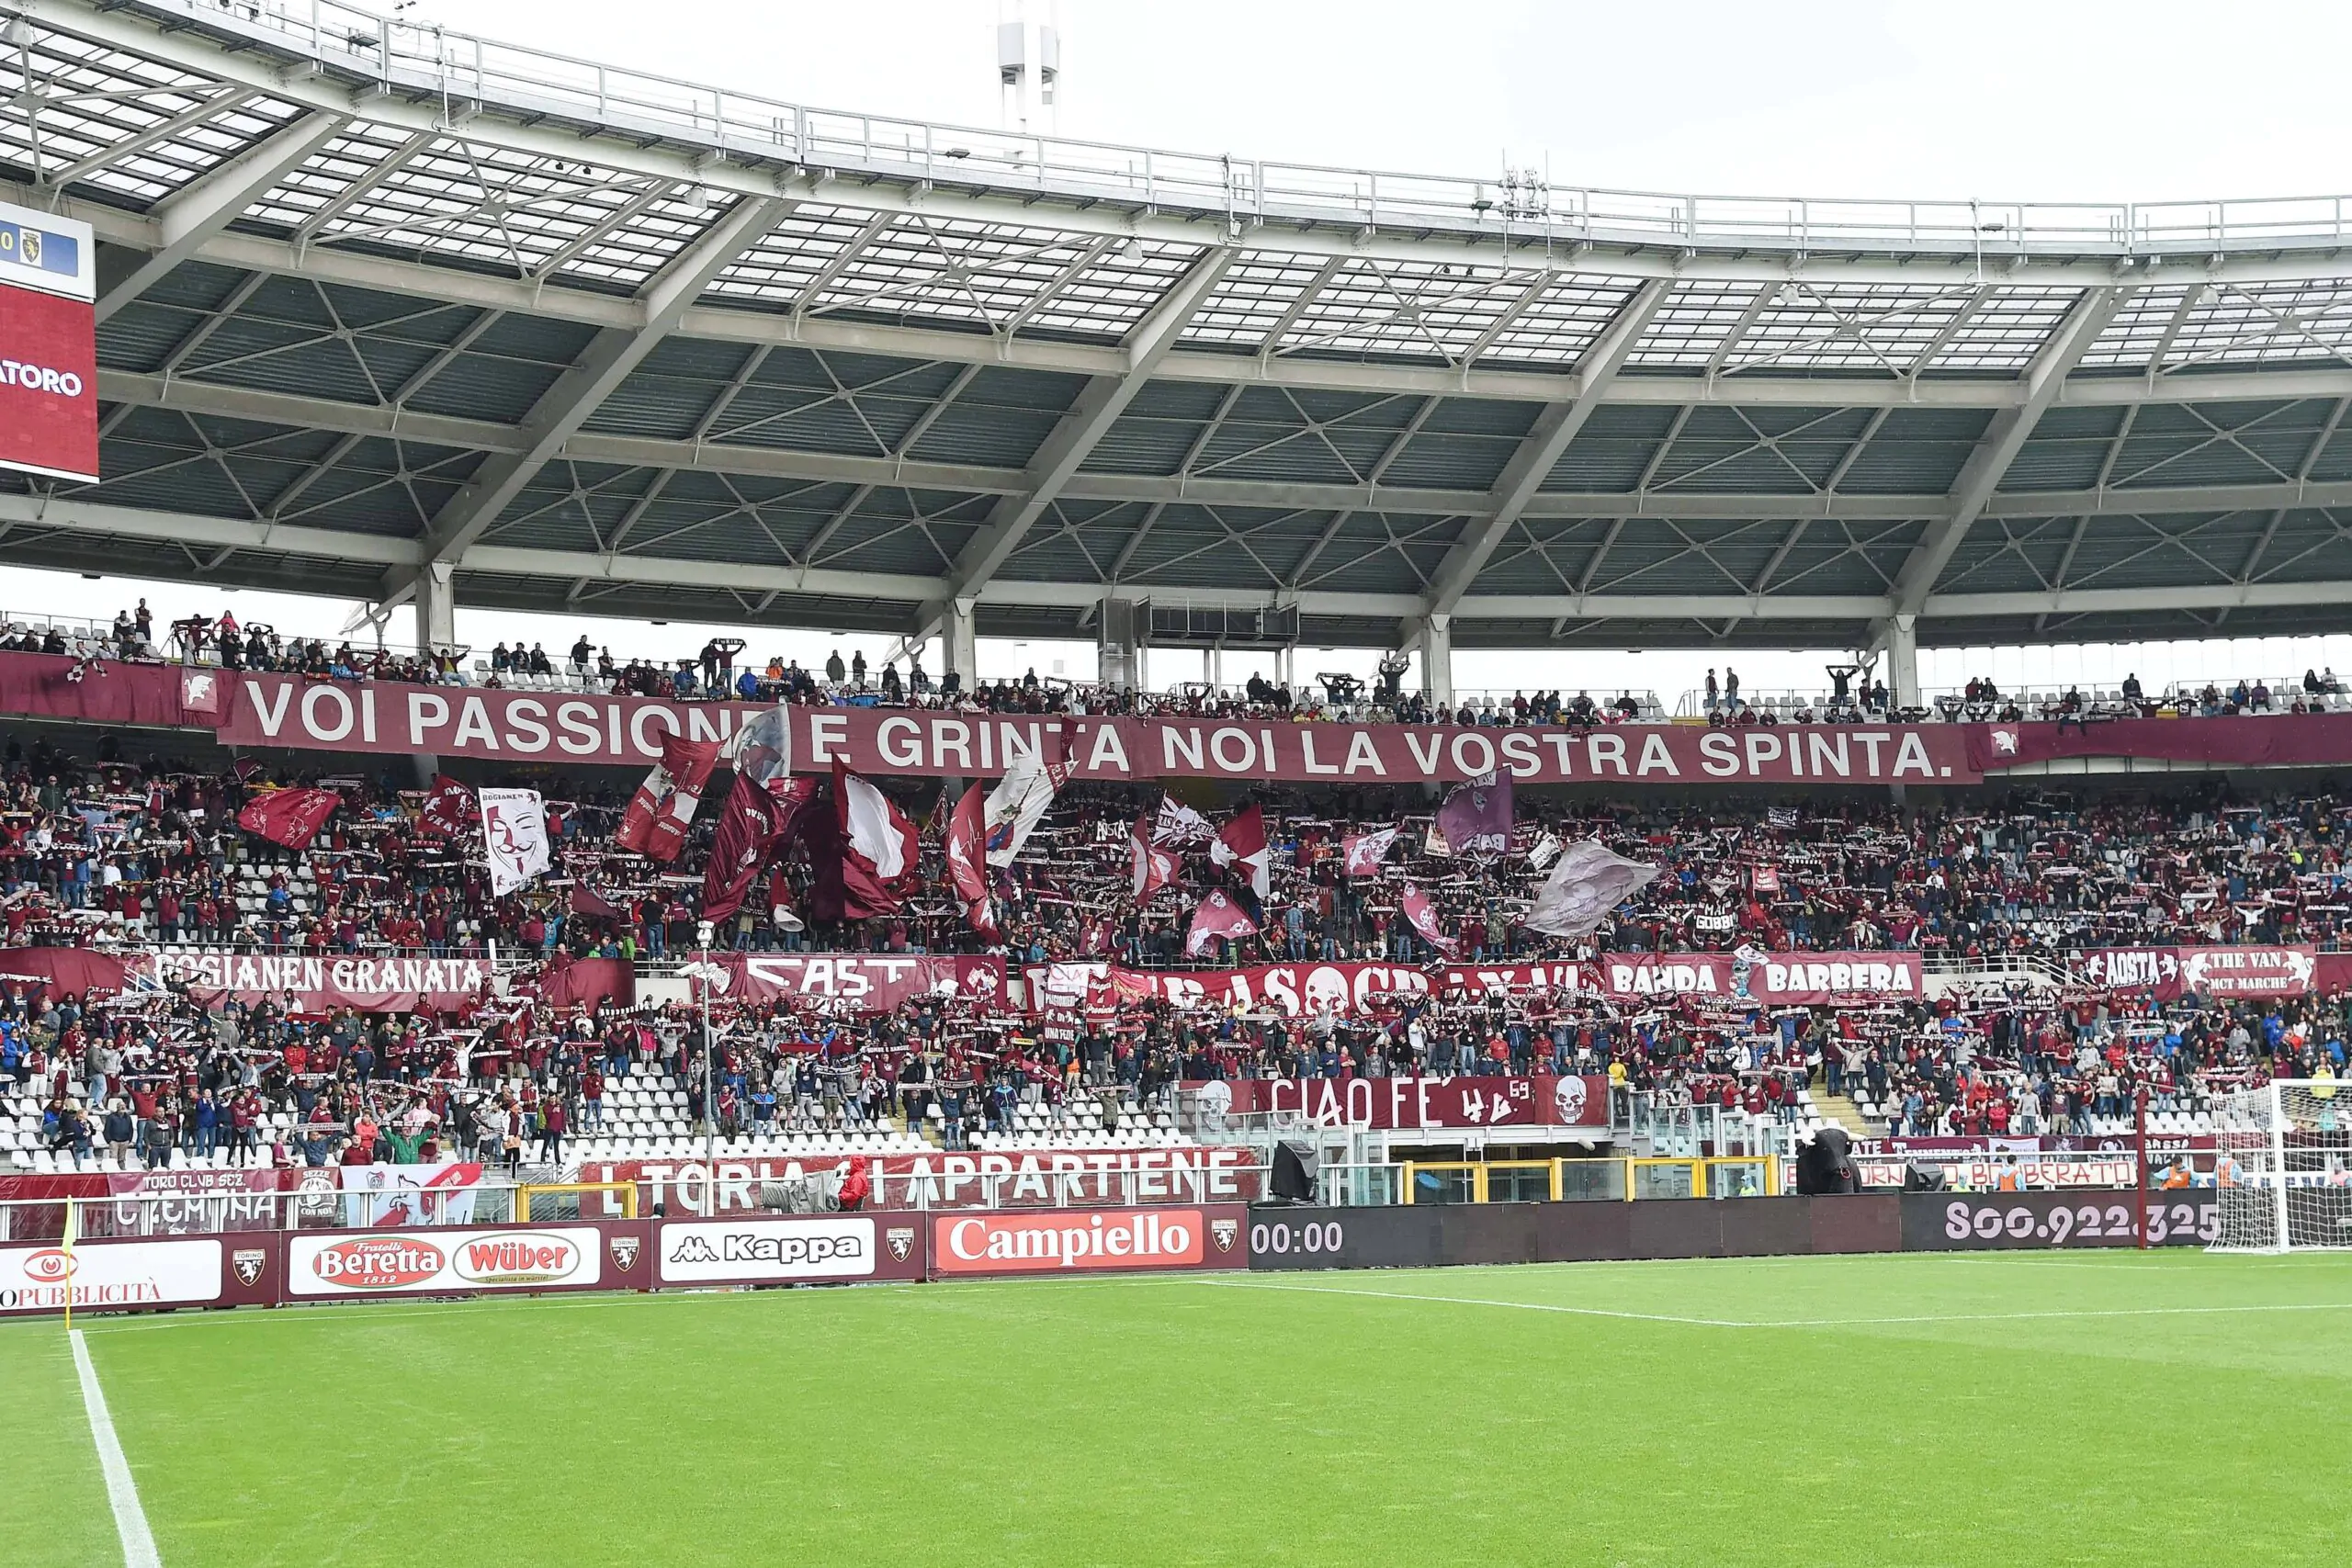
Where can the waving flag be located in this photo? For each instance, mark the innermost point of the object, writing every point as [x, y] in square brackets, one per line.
[762, 746]
[1475, 818]
[1423, 916]
[1588, 882]
[1365, 852]
[753, 822]
[1149, 867]
[1243, 839]
[965, 843]
[655, 823]
[880, 852]
[1019, 801]
[1180, 824]
[449, 810]
[1217, 916]
[289, 817]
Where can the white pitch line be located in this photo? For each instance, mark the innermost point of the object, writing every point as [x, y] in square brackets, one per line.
[122, 1493]
[1478, 1300]
[1781, 1323]
[2030, 1316]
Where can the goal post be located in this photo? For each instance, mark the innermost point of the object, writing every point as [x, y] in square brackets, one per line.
[573, 1200]
[2283, 1167]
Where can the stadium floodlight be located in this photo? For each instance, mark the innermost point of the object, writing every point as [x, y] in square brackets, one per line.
[2283, 1164]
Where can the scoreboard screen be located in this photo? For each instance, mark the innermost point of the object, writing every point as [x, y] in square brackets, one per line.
[48, 345]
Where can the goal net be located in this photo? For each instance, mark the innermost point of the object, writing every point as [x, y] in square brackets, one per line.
[2283, 1165]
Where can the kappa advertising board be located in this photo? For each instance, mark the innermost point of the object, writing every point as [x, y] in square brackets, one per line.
[1416, 1104]
[276, 710]
[111, 1275]
[1084, 1240]
[837, 1247]
[438, 1262]
[48, 352]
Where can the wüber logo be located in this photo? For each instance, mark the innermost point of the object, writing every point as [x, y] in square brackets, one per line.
[991, 1243]
[520, 1260]
[379, 1262]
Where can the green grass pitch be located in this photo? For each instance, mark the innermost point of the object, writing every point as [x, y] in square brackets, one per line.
[2041, 1409]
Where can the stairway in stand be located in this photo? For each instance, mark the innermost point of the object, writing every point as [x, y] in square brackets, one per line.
[1842, 1111]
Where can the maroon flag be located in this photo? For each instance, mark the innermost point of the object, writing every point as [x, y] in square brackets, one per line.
[200, 695]
[1243, 839]
[655, 823]
[1475, 818]
[1149, 867]
[1216, 916]
[1365, 852]
[1423, 916]
[589, 899]
[754, 821]
[449, 810]
[289, 817]
[966, 845]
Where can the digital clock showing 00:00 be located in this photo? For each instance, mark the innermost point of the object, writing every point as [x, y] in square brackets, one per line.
[1993, 1222]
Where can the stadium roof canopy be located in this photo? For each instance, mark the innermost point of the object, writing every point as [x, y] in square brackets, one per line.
[383, 305]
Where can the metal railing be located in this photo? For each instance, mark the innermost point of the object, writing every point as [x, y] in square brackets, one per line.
[1522, 203]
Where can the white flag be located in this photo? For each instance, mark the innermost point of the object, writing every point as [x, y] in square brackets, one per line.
[1588, 883]
[515, 830]
[1019, 801]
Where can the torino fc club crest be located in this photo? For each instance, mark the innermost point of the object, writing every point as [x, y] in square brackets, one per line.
[900, 1240]
[623, 1252]
[247, 1262]
[1225, 1233]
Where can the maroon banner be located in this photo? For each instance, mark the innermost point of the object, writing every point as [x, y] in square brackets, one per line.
[1019, 1178]
[2227, 974]
[67, 971]
[1458, 1104]
[589, 983]
[1516, 979]
[278, 710]
[2274, 740]
[45, 685]
[1781, 979]
[412, 983]
[869, 982]
[1293, 989]
[1095, 1241]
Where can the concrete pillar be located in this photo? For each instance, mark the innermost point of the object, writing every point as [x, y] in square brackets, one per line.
[1433, 641]
[960, 643]
[1119, 652]
[1899, 636]
[436, 606]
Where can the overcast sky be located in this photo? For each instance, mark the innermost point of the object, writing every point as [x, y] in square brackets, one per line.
[1998, 100]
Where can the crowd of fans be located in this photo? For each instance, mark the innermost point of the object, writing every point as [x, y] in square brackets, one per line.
[104, 851]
